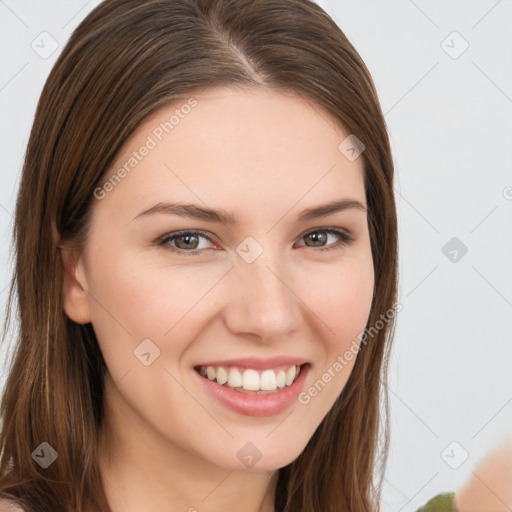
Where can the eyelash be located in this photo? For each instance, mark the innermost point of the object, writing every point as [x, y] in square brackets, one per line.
[345, 239]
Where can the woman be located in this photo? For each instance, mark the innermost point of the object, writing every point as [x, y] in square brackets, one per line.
[206, 266]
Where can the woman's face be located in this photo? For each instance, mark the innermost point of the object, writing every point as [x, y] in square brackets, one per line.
[273, 281]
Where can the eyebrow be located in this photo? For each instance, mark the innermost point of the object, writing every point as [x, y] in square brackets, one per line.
[223, 217]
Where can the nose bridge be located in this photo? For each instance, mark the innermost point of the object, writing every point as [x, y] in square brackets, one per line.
[262, 301]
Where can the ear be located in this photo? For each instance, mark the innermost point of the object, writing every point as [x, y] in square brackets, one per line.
[74, 296]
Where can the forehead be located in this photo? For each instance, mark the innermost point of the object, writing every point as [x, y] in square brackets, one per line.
[252, 144]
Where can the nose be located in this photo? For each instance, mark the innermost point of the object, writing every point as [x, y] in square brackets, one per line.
[261, 300]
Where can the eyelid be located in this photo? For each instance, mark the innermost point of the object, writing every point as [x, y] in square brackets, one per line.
[346, 238]
[344, 233]
[163, 239]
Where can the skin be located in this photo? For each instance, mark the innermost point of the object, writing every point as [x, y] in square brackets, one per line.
[490, 487]
[264, 157]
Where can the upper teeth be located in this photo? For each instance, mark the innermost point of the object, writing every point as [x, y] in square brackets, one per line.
[251, 380]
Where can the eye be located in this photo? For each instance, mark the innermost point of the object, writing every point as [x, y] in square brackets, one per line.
[319, 238]
[189, 242]
[184, 241]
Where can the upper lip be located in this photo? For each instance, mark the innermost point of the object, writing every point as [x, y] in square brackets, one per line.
[258, 363]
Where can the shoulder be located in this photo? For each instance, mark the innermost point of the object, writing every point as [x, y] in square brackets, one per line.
[489, 486]
[441, 503]
[9, 506]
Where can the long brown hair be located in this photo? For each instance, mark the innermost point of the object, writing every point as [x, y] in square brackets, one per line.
[124, 60]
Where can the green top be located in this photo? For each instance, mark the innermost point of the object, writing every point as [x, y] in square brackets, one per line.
[441, 503]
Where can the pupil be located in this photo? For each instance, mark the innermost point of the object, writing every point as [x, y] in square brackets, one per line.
[316, 237]
[187, 244]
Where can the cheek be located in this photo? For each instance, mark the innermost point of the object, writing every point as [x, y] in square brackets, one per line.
[144, 300]
[343, 301]
[343, 304]
[135, 302]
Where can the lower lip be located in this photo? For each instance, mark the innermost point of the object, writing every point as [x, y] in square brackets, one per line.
[257, 405]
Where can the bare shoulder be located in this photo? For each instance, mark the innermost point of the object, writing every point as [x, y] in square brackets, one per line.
[489, 488]
[9, 506]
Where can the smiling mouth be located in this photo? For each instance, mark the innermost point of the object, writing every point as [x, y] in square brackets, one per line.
[250, 380]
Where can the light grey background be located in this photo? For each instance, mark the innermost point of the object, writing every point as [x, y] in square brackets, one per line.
[449, 118]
